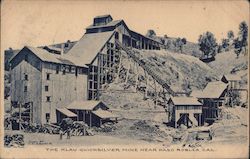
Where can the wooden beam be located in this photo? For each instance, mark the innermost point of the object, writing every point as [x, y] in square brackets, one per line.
[19, 116]
[77, 115]
[98, 75]
[30, 112]
[90, 119]
[127, 73]
[119, 67]
[84, 116]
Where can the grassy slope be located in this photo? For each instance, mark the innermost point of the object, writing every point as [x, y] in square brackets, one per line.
[226, 61]
[189, 48]
[180, 70]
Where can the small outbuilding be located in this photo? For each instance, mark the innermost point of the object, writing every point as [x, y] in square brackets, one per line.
[212, 97]
[185, 110]
[232, 80]
[93, 113]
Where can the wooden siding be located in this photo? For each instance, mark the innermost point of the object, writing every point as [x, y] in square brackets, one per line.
[62, 89]
[31, 67]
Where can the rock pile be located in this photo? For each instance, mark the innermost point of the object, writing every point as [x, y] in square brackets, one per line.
[16, 140]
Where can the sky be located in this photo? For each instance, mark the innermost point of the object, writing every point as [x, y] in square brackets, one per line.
[36, 23]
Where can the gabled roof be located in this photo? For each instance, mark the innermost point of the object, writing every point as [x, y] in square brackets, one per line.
[213, 90]
[185, 101]
[104, 114]
[83, 104]
[86, 49]
[46, 56]
[232, 77]
[196, 93]
[110, 24]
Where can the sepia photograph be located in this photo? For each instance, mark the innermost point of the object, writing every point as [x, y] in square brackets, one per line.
[124, 79]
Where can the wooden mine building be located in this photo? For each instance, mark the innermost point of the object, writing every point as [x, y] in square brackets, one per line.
[48, 80]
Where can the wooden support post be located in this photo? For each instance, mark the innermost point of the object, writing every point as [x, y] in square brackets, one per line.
[140, 42]
[164, 97]
[106, 67]
[137, 76]
[127, 73]
[119, 67]
[30, 113]
[77, 115]
[131, 43]
[199, 124]
[11, 107]
[98, 75]
[156, 95]
[90, 119]
[84, 120]
[20, 116]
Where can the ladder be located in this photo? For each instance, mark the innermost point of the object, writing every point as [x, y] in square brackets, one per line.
[132, 53]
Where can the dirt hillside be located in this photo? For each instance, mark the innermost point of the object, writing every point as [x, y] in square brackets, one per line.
[181, 71]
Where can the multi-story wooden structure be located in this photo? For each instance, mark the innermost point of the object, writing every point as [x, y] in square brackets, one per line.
[49, 80]
[46, 81]
[99, 51]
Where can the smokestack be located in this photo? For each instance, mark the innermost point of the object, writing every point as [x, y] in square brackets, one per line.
[62, 49]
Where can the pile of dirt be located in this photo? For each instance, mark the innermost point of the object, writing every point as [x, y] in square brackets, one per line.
[149, 131]
[232, 127]
[15, 140]
[106, 127]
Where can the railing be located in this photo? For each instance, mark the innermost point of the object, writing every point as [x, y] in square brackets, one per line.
[149, 70]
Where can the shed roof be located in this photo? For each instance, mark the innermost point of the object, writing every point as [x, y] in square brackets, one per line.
[232, 77]
[67, 112]
[213, 90]
[104, 114]
[86, 49]
[83, 104]
[185, 101]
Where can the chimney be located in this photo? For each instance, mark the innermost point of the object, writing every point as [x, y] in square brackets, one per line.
[62, 49]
